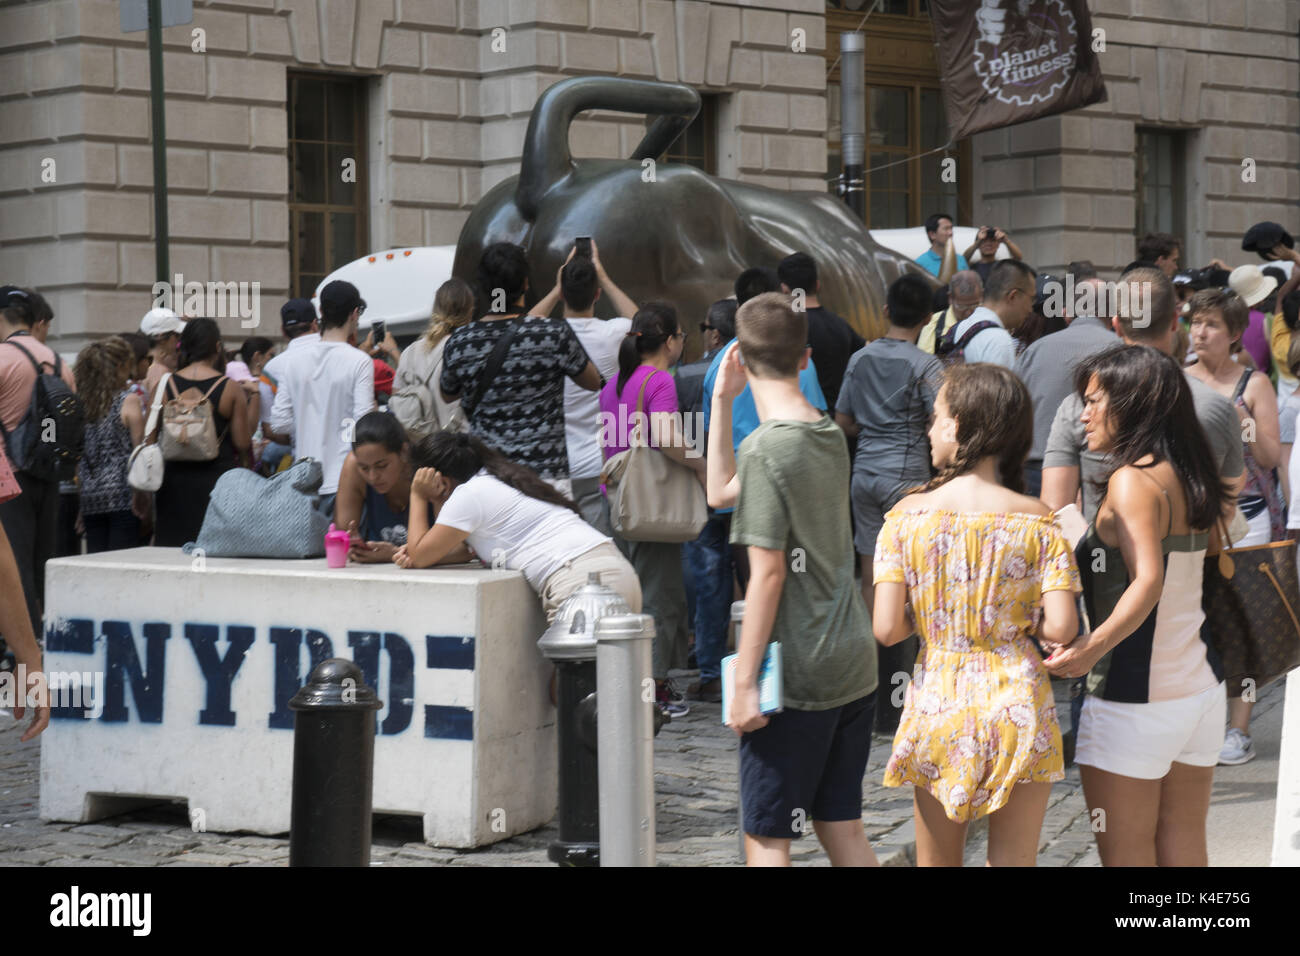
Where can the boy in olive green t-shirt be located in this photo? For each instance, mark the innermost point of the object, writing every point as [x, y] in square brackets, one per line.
[791, 494]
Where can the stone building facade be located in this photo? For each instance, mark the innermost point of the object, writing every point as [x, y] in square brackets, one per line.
[430, 99]
[1199, 86]
[445, 102]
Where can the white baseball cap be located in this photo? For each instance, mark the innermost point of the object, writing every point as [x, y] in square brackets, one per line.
[161, 321]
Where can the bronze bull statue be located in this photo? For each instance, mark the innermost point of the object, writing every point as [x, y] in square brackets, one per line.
[668, 230]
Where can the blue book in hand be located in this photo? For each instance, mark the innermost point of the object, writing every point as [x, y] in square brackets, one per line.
[769, 681]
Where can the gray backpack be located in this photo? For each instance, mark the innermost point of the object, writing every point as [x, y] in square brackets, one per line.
[250, 516]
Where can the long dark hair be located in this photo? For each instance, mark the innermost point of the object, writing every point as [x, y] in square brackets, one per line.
[379, 428]
[201, 339]
[252, 346]
[460, 456]
[995, 416]
[1150, 411]
[653, 325]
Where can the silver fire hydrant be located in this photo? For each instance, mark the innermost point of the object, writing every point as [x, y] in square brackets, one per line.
[570, 642]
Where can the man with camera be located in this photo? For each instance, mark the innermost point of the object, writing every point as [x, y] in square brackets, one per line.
[987, 242]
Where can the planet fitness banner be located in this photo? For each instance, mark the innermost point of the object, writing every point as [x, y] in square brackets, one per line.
[1014, 60]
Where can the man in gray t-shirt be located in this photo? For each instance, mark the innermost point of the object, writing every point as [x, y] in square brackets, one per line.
[1047, 369]
[885, 402]
[1067, 459]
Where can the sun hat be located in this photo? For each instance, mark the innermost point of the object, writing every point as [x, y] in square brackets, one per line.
[1251, 284]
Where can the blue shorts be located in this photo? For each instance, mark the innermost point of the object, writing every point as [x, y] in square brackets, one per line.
[805, 765]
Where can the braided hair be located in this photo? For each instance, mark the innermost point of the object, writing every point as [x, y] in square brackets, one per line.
[995, 416]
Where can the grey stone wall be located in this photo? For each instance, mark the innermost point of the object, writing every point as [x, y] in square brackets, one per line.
[447, 117]
[1226, 70]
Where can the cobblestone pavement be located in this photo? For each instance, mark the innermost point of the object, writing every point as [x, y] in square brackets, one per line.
[695, 784]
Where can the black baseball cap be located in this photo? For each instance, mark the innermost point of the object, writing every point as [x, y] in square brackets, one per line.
[340, 298]
[11, 294]
[1263, 236]
[296, 314]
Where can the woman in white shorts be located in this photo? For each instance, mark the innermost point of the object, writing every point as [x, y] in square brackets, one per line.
[1152, 725]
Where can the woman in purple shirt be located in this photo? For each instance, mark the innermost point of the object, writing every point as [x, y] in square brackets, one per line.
[652, 347]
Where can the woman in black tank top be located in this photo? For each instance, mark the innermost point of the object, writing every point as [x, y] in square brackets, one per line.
[1152, 724]
[182, 501]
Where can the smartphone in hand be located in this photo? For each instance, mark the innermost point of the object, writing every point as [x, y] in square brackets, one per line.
[582, 247]
[377, 332]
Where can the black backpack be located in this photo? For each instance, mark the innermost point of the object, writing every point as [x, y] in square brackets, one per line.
[952, 351]
[48, 442]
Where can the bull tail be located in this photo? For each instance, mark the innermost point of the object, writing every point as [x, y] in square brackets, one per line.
[546, 157]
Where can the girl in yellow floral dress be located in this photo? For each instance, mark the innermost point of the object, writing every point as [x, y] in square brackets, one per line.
[976, 569]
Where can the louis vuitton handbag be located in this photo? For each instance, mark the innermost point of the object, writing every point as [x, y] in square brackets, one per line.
[1251, 599]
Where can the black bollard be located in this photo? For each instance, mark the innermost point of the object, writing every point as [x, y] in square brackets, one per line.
[333, 767]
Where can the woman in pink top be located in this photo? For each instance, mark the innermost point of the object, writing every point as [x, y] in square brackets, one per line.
[645, 385]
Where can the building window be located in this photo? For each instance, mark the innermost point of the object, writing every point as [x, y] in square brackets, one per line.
[898, 8]
[906, 118]
[327, 194]
[698, 144]
[905, 179]
[1161, 197]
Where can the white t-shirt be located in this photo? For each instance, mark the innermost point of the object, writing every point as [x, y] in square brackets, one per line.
[321, 390]
[531, 536]
[1287, 422]
[275, 366]
[601, 338]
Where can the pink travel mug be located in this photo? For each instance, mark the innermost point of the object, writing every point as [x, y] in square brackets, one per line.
[336, 548]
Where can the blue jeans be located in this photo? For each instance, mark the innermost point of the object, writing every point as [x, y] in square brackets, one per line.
[272, 454]
[708, 560]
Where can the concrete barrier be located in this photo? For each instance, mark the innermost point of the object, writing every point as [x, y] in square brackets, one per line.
[200, 656]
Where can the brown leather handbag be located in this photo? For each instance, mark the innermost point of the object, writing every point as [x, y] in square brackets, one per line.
[1251, 599]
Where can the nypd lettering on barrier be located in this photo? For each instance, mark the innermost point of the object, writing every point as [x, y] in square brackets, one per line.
[124, 668]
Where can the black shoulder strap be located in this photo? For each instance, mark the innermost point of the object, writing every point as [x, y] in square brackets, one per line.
[975, 330]
[493, 364]
[1241, 384]
[32, 358]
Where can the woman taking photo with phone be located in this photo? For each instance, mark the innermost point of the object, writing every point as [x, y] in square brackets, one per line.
[1152, 722]
[980, 569]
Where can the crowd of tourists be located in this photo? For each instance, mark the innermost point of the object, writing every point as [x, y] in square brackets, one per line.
[994, 493]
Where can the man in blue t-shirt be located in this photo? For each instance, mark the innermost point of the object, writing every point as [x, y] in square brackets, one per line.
[938, 229]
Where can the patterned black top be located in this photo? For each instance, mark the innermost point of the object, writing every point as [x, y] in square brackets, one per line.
[522, 412]
[102, 469]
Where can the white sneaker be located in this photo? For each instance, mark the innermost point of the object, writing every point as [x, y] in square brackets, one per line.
[1237, 748]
